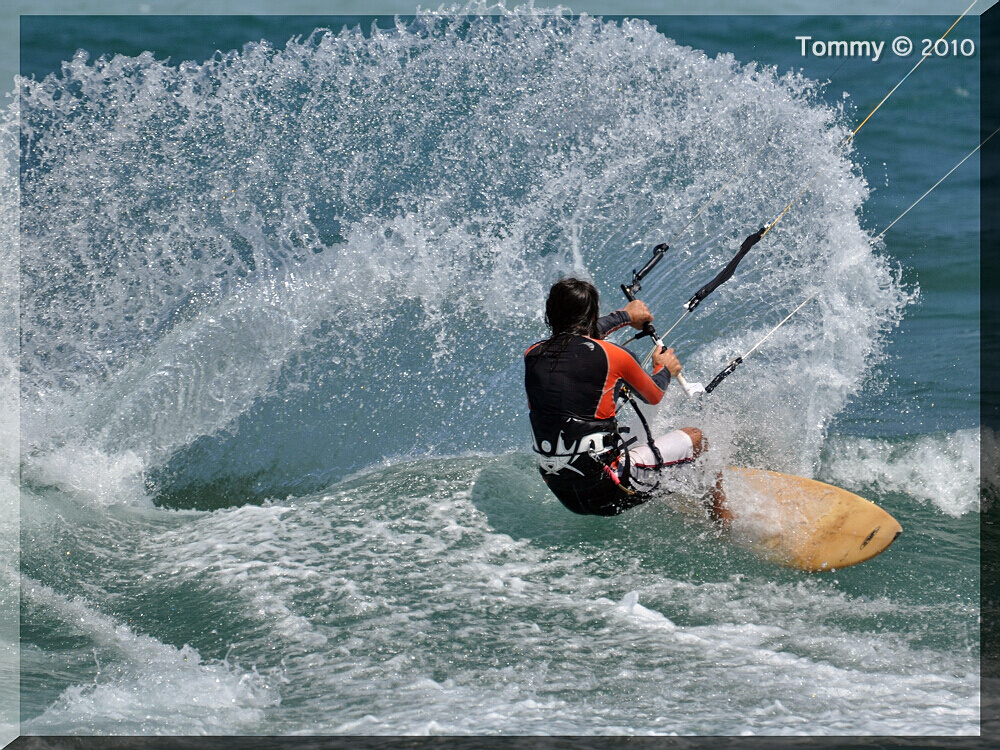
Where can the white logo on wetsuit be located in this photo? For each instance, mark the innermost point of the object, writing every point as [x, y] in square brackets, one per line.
[552, 462]
[562, 458]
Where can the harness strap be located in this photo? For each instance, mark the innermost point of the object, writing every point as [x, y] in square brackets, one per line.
[605, 448]
[649, 435]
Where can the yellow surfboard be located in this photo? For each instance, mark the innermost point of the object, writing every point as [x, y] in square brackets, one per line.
[803, 523]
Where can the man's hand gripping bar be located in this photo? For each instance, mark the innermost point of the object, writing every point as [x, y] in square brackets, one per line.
[691, 389]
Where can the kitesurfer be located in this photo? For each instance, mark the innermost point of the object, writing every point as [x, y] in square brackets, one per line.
[573, 380]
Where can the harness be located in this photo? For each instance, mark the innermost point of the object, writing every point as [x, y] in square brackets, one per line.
[561, 447]
[586, 463]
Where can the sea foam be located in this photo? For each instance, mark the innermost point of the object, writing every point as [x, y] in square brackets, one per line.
[941, 469]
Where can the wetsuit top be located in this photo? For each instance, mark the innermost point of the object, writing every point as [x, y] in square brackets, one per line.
[572, 384]
[579, 378]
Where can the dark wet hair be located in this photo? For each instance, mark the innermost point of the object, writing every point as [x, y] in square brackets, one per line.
[572, 307]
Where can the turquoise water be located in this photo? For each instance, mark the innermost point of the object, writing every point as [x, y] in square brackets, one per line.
[275, 460]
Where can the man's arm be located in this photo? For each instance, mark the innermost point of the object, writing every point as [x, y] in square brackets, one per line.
[634, 314]
[612, 322]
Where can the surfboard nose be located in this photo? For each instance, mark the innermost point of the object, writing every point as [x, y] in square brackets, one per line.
[895, 536]
[809, 525]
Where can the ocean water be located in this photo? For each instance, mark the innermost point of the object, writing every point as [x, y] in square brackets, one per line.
[275, 469]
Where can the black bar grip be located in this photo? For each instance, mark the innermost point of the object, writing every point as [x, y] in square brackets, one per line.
[723, 375]
[658, 252]
[726, 273]
[637, 276]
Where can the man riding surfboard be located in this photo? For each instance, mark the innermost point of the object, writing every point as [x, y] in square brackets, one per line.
[573, 381]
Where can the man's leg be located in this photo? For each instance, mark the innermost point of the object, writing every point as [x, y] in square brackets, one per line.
[676, 448]
[720, 513]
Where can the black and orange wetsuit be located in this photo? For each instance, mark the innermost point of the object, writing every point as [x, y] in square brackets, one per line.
[572, 383]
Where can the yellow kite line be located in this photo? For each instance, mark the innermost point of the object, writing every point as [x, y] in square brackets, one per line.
[769, 227]
[873, 241]
[877, 107]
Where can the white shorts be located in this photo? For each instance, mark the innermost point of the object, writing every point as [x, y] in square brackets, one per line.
[676, 449]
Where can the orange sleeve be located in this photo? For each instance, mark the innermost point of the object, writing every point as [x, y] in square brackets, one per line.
[623, 366]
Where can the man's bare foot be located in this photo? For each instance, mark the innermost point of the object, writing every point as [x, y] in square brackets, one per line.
[716, 500]
[720, 513]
